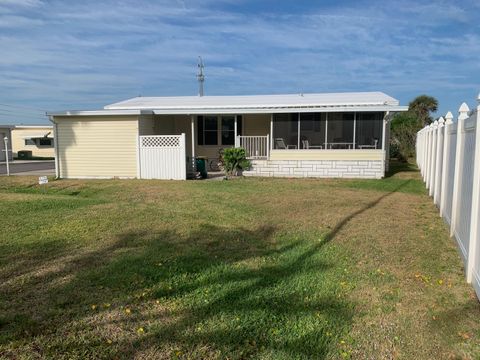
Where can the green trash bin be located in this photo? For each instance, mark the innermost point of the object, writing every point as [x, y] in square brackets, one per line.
[24, 154]
[201, 163]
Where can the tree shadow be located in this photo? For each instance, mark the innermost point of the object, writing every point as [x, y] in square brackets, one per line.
[396, 167]
[208, 278]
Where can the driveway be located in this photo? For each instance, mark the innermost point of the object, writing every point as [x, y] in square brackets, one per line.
[21, 167]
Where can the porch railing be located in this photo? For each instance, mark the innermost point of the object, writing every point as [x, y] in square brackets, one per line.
[256, 147]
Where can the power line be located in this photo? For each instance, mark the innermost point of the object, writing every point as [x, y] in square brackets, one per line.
[23, 107]
[21, 111]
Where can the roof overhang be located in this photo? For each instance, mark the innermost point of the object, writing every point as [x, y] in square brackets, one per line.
[99, 112]
[277, 110]
[20, 127]
[232, 110]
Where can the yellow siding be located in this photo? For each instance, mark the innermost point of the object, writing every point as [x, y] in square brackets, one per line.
[326, 155]
[18, 142]
[97, 146]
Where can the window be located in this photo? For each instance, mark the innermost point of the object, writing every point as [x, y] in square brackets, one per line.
[207, 130]
[369, 129]
[312, 130]
[29, 142]
[45, 142]
[285, 131]
[228, 130]
[340, 130]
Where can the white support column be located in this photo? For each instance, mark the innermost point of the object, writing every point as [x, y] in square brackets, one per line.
[354, 128]
[298, 135]
[433, 156]
[446, 165]
[237, 142]
[192, 123]
[457, 182]
[384, 128]
[439, 161]
[271, 132]
[475, 214]
[326, 131]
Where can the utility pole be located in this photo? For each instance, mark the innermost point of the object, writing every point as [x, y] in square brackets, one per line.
[200, 76]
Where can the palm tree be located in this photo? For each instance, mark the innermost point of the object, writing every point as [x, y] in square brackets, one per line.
[422, 106]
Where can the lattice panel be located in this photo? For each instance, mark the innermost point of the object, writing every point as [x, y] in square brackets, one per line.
[158, 142]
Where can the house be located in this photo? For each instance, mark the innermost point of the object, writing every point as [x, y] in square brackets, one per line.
[38, 139]
[294, 135]
[5, 131]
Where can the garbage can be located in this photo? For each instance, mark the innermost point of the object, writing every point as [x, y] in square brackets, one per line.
[24, 154]
[201, 163]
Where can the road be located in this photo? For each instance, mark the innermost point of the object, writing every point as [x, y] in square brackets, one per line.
[39, 167]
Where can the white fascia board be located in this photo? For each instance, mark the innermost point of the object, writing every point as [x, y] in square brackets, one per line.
[380, 108]
[100, 112]
[33, 127]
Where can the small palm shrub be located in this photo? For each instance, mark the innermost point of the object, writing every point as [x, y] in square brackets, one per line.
[234, 161]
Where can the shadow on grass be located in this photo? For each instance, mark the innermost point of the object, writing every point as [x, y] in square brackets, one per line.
[396, 167]
[234, 291]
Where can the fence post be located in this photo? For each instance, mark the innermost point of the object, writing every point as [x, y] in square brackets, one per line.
[268, 147]
[429, 155]
[433, 156]
[474, 218]
[424, 151]
[457, 182]
[237, 141]
[446, 164]
[439, 161]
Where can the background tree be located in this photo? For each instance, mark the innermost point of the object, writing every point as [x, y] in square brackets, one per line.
[422, 106]
[405, 125]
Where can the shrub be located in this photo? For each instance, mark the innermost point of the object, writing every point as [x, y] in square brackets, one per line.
[234, 161]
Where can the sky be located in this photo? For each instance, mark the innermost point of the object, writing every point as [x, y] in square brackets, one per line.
[82, 55]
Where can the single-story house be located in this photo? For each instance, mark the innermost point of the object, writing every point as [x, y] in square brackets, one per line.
[294, 135]
[39, 139]
[6, 131]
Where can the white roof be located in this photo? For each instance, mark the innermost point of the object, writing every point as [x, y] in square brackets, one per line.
[353, 101]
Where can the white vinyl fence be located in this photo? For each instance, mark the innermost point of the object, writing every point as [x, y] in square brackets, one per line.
[162, 157]
[448, 155]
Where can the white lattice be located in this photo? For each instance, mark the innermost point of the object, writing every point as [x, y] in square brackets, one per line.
[160, 141]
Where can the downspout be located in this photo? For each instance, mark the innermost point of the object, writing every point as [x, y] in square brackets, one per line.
[55, 146]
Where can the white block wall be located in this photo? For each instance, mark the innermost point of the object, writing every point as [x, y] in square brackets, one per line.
[365, 169]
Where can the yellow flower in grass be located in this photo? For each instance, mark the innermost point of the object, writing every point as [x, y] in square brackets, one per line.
[93, 306]
[109, 342]
[140, 330]
[128, 311]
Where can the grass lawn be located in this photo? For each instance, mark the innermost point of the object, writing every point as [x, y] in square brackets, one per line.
[248, 268]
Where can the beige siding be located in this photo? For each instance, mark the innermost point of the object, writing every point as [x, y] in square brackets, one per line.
[256, 124]
[97, 146]
[326, 155]
[18, 142]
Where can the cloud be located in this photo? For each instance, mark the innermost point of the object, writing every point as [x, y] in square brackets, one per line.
[86, 54]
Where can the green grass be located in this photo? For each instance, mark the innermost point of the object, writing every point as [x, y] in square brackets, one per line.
[248, 268]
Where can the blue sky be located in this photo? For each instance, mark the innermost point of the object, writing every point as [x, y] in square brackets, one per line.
[58, 55]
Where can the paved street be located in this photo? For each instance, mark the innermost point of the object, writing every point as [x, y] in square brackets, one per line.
[37, 167]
